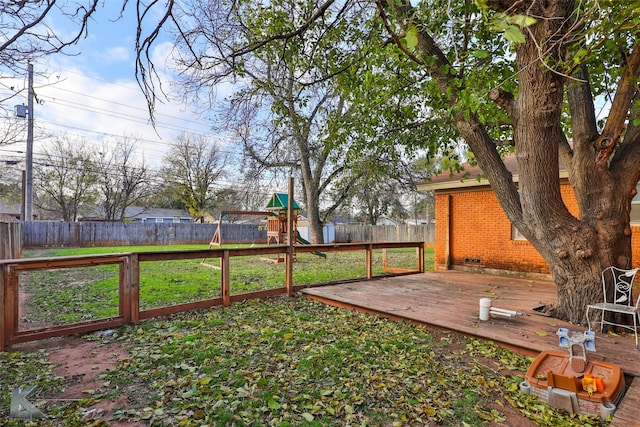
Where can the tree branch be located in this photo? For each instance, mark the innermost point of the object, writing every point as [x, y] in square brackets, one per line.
[27, 27]
[583, 115]
[300, 30]
[505, 100]
[143, 75]
[615, 125]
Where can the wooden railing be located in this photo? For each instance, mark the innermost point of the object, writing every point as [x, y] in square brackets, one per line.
[129, 283]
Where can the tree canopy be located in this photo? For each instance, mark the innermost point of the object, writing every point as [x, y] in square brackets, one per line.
[548, 80]
[191, 168]
[505, 75]
[290, 104]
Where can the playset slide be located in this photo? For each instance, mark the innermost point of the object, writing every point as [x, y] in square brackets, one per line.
[304, 241]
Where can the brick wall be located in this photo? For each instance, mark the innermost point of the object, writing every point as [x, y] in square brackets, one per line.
[481, 234]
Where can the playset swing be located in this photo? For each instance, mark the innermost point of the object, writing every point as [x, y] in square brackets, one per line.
[277, 226]
[216, 240]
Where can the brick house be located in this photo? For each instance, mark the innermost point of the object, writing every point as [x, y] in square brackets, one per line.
[473, 232]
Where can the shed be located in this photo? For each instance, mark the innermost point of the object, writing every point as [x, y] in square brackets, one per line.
[10, 211]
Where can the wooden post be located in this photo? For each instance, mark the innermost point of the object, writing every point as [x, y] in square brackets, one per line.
[292, 238]
[3, 309]
[224, 277]
[384, 259]
[369, 261]
[134, 287]
[420, 254]
[11, 303]
[124, 288]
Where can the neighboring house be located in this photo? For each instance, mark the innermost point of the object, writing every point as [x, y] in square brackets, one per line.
[383, 220]
[10, 211]
[473, 232]
[156, 215]
[416, 221]
[143, 214]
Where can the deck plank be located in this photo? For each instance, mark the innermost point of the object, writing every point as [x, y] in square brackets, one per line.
[450, 300]
[628, 413]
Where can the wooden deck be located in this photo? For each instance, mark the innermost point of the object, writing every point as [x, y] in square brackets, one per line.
[450, 300]
[628, 413]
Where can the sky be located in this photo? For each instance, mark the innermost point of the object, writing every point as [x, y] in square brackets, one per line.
[91, 93]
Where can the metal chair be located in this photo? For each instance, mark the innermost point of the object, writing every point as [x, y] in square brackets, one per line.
[622, 300]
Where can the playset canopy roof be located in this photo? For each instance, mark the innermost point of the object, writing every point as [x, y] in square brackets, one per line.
[280, 201]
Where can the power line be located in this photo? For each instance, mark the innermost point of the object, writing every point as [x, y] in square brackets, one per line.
[54, 159]
[121, 116]
[106, 134]
[127, 106]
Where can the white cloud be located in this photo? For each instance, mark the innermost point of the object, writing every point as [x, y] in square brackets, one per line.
[84, 105]
[118, 54]
[94, 95]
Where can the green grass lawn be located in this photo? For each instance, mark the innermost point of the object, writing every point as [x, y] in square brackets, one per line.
[273, 362]
[78, 294]
[290, 362]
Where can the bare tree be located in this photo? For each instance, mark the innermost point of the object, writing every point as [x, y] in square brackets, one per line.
[26, 32]
[524, 73]
[286, 106]
[65, 179]
[123, 180]
[376, 199]
[192, 167]
[12, 129]
[10, 186]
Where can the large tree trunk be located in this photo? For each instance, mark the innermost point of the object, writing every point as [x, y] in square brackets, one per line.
[577, 250]
[316, 234]
[311, 198]
[568, 245]
[603, 172]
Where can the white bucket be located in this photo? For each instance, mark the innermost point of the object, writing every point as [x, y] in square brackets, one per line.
[485, 306]
[606, 409]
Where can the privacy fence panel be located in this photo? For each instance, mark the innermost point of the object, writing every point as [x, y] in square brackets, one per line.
[10, 240]
[82, 234]
[385, 233]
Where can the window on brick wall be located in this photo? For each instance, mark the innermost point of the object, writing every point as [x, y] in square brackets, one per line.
[635, 207]
[516, 234]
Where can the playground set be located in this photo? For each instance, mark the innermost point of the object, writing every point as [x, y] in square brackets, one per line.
[277, 226]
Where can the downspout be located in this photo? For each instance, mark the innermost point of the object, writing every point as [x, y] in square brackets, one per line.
[447, 235]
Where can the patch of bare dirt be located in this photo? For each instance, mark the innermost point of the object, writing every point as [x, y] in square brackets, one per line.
[80, 362]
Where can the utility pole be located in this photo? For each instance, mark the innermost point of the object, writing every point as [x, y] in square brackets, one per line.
[28, 187]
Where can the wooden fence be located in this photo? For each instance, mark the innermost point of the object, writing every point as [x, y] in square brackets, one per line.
[385, 233]
[129, 283]
[10, 240]
[85, 234]
[37, 234]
